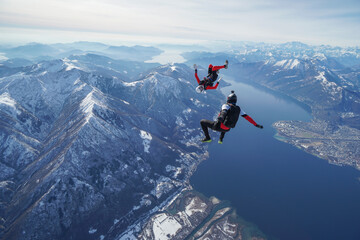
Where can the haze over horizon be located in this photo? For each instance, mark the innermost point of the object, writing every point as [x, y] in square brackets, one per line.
[187, 22]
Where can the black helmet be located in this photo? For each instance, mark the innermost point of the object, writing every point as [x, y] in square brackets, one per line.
[232, 98]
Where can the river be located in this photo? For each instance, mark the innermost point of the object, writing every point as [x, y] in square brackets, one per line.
[286, 192]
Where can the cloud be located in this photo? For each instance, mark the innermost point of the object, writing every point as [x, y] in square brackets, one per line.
[257, 20]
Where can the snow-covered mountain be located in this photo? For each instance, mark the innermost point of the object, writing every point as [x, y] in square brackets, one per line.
[258, 52]
[84, 155]
[333, 93]
[108, 67]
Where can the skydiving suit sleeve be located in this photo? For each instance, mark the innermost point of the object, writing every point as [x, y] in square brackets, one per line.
[212, 87]
[247, 117]
[196, 76]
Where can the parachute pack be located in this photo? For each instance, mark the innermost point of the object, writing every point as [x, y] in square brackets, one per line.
[232, 116]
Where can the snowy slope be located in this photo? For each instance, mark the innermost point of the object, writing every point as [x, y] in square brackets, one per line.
[81, 149]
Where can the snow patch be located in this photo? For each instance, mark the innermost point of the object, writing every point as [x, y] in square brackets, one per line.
[280, 63]
[176, 170]
[69, 64]
[165, 227]
[197, 102]
[80, 83]
[128, 236]
[2, 57]
[192, 208]
[320, 56]
[294, 63]
[331, 87]
[7, 100]
[179, 121]
[163, 185]
[147, 140]
[92, 230]
[132, 84]
[87, 104]
[288, 64]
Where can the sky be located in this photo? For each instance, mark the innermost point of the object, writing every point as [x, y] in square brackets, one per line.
[315, 22]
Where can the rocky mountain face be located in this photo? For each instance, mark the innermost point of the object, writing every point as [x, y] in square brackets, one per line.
[333, 94]
[85, 154]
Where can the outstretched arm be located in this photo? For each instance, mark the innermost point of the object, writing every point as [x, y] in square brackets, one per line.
[212, 87]
[247, 117]
[196, 76]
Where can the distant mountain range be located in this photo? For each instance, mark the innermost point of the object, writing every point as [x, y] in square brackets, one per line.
[258, 52]
[36, 51]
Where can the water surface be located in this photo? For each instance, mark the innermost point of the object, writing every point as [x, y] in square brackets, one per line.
[286, 192]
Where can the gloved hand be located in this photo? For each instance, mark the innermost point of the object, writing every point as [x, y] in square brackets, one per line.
[195, 67]
[259, 126]
[226, 64]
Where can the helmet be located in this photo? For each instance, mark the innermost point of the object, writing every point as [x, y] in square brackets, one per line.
[210, 66]
[232, 98]
[200, 88]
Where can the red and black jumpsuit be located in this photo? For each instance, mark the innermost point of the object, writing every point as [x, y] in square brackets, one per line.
[211, 78]
[219, 125]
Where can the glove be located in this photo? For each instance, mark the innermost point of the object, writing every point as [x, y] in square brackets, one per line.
[226, 64]
[259, 126]
[195, 67]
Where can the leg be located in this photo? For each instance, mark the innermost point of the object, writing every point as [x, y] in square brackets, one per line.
[205, 124]
[215, 68]
[222, 135]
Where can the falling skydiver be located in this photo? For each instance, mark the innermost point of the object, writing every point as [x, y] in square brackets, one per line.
[208, 81]
[226, 119]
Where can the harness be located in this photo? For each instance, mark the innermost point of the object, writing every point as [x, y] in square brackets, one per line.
[212, 76]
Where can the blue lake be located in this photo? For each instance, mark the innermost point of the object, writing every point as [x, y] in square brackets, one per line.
[286, 192]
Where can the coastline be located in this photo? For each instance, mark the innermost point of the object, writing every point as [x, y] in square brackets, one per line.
[338, 147]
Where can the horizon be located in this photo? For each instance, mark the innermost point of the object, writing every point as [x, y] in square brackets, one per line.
[206, 44]
[323, 22]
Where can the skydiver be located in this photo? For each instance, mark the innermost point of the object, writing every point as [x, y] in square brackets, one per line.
[226, 119]
[208, 81]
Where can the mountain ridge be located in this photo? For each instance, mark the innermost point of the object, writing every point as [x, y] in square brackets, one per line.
[96, 144]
